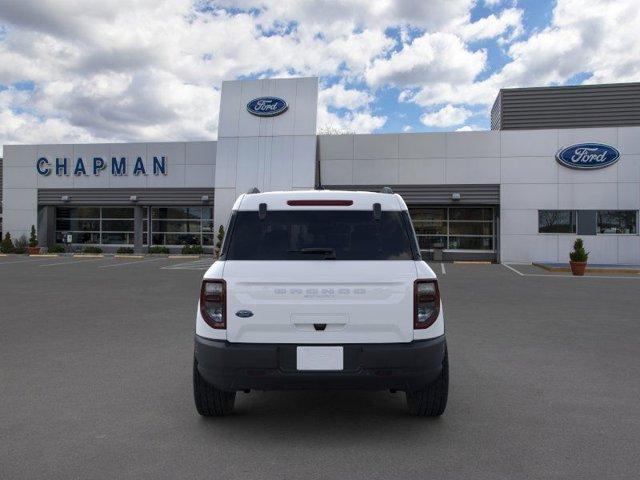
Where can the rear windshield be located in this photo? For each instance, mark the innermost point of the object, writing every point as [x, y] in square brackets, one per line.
[319, 235]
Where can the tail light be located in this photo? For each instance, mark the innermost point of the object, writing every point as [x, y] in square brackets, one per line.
[426, 303]
[213, 303]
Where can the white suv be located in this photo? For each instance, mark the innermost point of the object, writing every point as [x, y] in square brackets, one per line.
[320, 290]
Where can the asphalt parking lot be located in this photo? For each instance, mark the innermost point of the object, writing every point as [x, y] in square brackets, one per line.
[96, 383]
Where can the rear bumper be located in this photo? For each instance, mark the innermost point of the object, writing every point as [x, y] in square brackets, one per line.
[241, 366]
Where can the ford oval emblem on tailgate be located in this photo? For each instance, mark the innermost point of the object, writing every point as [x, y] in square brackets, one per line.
[244, 313]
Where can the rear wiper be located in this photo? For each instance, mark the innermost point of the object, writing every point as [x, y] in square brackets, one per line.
[330, 253]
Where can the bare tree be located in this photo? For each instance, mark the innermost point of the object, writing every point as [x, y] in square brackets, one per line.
[331, 129]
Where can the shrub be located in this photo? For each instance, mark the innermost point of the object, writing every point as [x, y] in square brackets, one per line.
[91, 249]
[33, 238]
[125, 250]
[20, 245]
[579, 254]
[220, 238]
[158, 249]
[57, 248]
[192, 250]
[7, 244]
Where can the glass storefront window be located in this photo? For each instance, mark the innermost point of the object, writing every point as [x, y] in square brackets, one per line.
[556, 221]
[187, 225]
[471, 228]
[95, 225]
[115, 212]
[79, 237]
[78, 212]
[618, 221]
[78, 224]
[428, 214]
[428, 242]
[464, 213]
[470, 243]
[430, 228]
[115, 238]
[117, 225]
[453, 228]
[176, 213]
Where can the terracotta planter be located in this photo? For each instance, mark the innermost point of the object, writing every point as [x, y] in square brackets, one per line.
[578, 268]
[33, 250]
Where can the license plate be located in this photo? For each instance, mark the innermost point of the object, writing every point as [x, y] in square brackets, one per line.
[320, 358]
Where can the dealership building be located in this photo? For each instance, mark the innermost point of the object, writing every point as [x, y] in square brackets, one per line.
[558, 163]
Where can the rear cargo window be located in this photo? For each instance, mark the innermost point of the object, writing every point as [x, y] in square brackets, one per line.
[319, 235]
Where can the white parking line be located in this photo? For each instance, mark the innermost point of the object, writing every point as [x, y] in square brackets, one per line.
[72, 262]
[202, 264]
[444, 272]
[11, 263]
[22, 261]
[513, 269]
[130, 263]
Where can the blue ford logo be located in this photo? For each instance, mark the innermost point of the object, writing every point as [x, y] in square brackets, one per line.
[244, 313]
[267, 106]
[588, 156]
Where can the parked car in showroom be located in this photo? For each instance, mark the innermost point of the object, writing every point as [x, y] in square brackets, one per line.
[320, 290]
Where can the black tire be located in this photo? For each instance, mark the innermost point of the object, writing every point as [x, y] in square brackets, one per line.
[210, 402]
[432, 401]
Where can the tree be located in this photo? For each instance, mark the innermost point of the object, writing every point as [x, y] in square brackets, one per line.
[33, 237]
[220, 238]
[7, 244]
[331, 129]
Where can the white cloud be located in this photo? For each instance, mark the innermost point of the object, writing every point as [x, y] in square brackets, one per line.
[447, 116]
[439, 56]
[469, 128]
[407, 128]
[597, 38]
[151, 71]
[509, 22]
[340, 97]
[357, 119]
[351, 122]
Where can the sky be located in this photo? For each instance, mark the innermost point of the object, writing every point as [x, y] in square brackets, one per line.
[77, 71]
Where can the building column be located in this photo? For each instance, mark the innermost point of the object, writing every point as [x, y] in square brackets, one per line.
[138, 215]
[46, 226]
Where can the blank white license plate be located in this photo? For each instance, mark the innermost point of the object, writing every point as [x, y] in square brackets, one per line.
[320, 358]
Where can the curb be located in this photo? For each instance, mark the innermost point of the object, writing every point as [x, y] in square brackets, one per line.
[588, 270]
[184, 256]
[88, 255]
[127, 255]
[45, 255]
[472, 262]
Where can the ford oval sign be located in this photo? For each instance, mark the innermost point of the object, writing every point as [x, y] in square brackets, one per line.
[588, 156]
[267, 106]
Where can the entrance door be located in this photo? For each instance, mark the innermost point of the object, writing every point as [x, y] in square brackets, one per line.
[462, 232]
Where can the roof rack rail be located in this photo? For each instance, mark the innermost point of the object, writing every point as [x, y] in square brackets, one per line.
[386, 190]
[253, 190]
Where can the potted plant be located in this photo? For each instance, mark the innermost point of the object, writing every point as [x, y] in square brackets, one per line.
[33, 249]
[578, 258]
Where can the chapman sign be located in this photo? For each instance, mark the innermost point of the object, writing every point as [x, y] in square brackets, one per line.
[267, 106]
[118, 166]
[588, 156]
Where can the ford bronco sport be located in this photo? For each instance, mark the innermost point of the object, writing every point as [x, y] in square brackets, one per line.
[320, 290]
